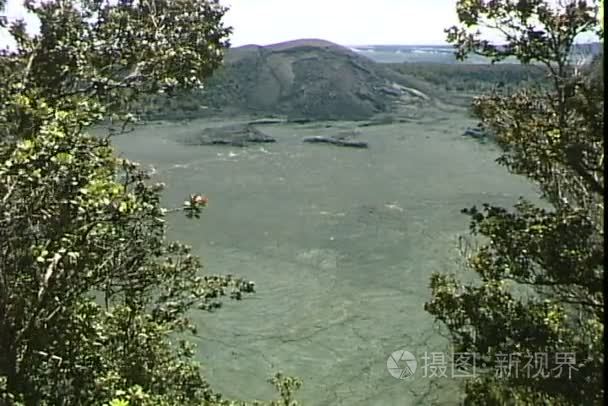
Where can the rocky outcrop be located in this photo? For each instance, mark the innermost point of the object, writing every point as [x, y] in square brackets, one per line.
[476, 132]
[233, 135]
[341, 140]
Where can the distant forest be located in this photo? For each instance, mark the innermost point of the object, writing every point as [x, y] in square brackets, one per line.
[474, 77]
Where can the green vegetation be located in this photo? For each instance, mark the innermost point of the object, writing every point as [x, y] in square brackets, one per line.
[539, 271]
[94, 301]
[460, 83]
[476, 78]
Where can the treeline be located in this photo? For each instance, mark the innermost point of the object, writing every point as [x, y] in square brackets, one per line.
[474, 77]
[221, 91]
[185, 106]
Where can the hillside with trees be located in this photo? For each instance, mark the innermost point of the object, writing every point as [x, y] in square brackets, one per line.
[460, 83]
[94, 299]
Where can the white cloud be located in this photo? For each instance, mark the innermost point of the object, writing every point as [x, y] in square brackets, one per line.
[348, 22]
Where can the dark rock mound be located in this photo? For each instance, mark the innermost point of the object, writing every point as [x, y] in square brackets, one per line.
[301, 120]
[480, 134]
[234, 135]
[341, 140]
[261, 121]
[306, 80]
[476, 132]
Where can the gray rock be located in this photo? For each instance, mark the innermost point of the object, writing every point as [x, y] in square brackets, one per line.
[234, 135]
[474, 132]
[267, 121]
[342, 140]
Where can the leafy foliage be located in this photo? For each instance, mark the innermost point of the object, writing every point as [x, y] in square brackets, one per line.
[539, 270]
[94, 301]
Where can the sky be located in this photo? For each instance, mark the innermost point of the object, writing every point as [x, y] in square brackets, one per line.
[346, 22]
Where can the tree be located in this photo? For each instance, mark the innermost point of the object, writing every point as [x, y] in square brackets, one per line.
[537, 292]
[94, 301]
